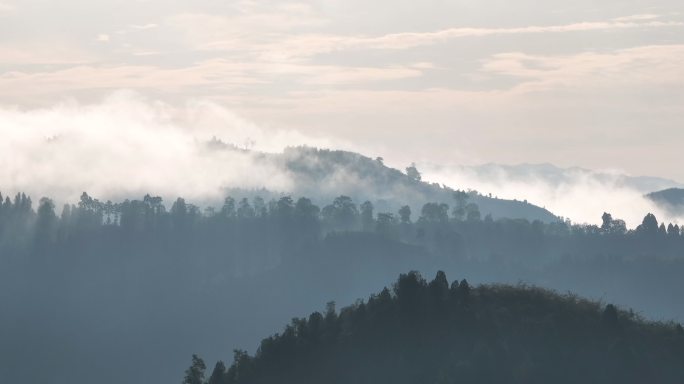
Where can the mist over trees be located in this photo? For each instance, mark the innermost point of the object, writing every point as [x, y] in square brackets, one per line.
[153, 280]
[284, 227]
[671, 199]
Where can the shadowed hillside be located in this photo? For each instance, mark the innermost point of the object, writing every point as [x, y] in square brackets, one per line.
[421, 332]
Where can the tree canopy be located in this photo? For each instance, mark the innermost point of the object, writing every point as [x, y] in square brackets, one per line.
[422, 332]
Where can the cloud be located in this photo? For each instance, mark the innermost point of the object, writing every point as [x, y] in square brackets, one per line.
[306, 45]
[127, 146]
[146, 53]
[410, 40]
[589, 74]
[103, 37]
[249, 26]
[644, 66]
[641, 17]
[507, 89]
[137, 28]
[43, 53]
[209, 75]
[325, 75]
[579, 194]
[143, 27]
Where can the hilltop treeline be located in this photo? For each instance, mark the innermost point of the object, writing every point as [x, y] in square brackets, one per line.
[437, 332]
[249, 235]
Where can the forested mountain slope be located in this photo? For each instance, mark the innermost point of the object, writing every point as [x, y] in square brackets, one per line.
[324, 174]
[152, 283]
[434, 332]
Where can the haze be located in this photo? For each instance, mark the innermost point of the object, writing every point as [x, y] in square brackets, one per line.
[572, 83]
[180, 180]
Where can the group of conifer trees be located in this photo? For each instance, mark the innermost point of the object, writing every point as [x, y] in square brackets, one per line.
[437, 332]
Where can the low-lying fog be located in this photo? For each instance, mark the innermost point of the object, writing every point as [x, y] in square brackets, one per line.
[160, 149]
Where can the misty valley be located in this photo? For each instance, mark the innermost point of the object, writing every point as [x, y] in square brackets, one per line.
[127, 291]
[341, 192]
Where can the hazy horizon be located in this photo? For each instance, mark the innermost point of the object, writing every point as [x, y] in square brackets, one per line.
[597, 86]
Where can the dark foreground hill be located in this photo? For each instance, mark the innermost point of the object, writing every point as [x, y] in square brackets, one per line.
[424, 333]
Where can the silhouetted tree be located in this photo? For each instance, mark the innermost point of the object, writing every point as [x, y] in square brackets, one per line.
[218, 375]
[260, 209]
[607, 222]
[459, 212]
[405, 214]
[284, 208]
[610, 315]
[195, 374]
[662, 230]
[228, 208]
[412, 172]
[343, 213]
[245, 210]
[46, 225]
[439, 287]
[435, 213]
[673, 230]
[367, 216]
[306, 211]
[472, 212]
[386, 221]
[464, 288]
[649, 226]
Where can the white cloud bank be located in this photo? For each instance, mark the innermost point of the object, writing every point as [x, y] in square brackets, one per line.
[127, 146]
[578, 194]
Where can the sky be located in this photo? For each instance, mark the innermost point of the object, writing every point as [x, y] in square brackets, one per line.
[582, 83]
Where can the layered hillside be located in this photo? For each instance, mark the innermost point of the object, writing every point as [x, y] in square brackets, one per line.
[325, 174]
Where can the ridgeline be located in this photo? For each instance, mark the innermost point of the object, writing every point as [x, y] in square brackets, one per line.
[423, 333]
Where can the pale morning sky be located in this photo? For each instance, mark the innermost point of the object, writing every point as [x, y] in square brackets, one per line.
[598, 84]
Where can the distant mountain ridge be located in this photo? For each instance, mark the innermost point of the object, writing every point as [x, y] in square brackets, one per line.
[671, 199]
[325, 174]
[531, 172]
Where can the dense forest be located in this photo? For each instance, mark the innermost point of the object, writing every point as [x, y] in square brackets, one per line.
[285, 226]
[153, 281]
[437, 332]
